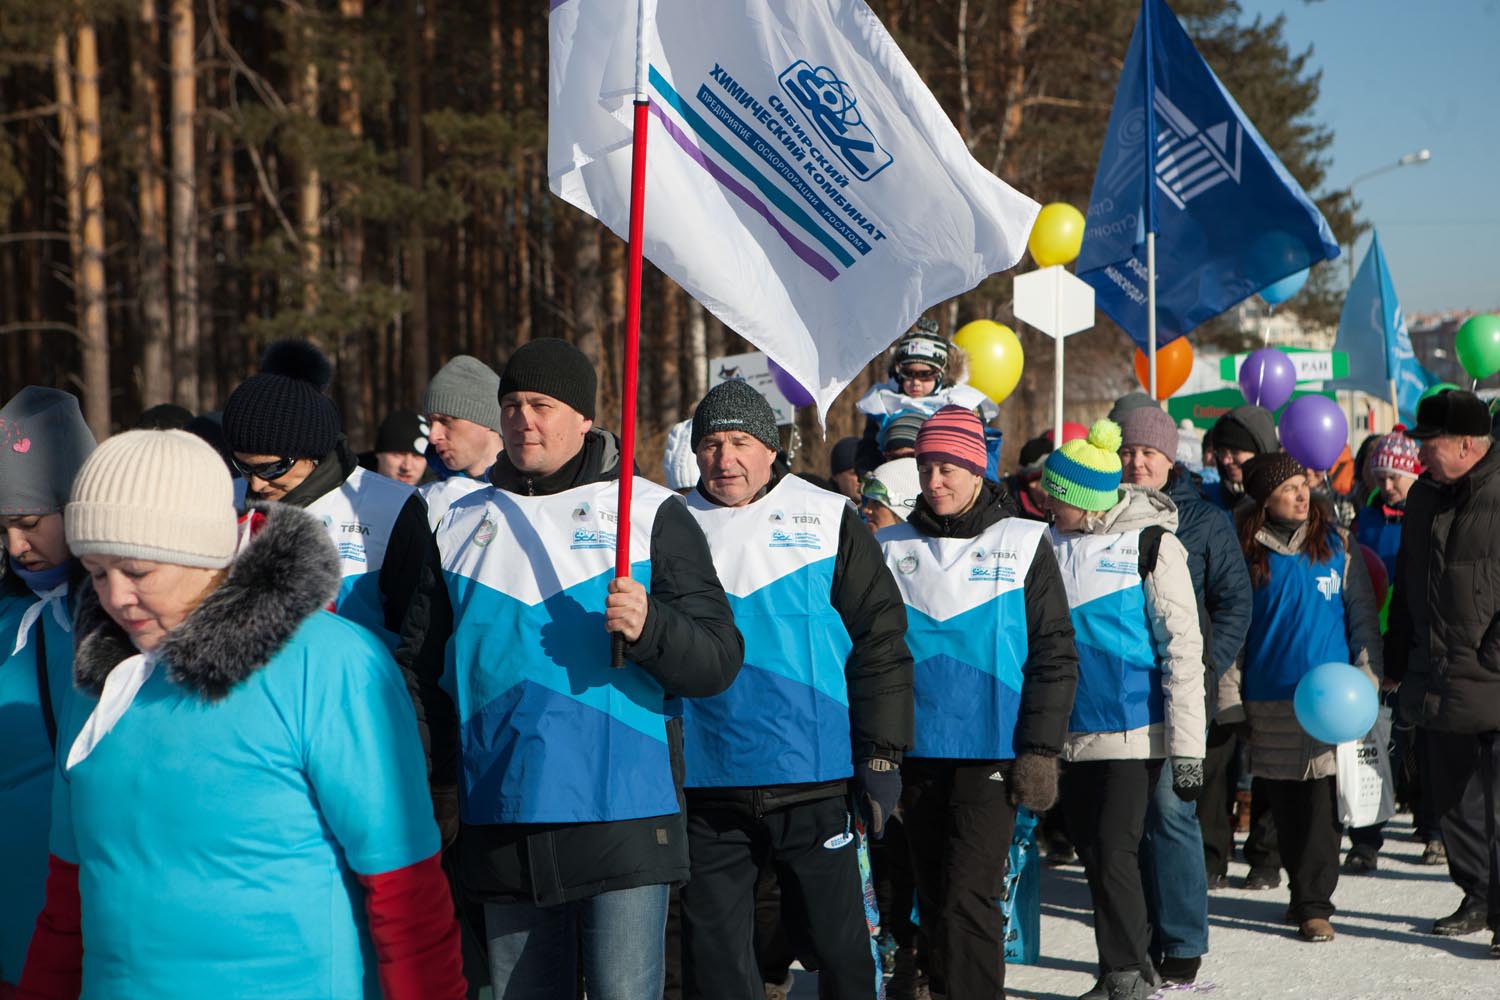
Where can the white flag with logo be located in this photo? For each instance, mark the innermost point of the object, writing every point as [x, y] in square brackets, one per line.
[801, 181]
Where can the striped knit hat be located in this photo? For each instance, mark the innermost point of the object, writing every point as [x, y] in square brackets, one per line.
[1086, 473]
[954, 435]
[1397, 454]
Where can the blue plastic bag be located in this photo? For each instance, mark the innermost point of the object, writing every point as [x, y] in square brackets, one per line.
[1022, 900]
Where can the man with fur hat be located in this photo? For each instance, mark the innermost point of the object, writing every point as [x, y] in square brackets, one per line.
[283, 435]
[570, 804]
[462, 406]
[769, 764]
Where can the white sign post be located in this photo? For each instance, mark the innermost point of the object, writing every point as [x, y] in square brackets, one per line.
[1058, 304]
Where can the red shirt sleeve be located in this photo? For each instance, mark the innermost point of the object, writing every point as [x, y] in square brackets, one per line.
[415, 933]
[54, 962]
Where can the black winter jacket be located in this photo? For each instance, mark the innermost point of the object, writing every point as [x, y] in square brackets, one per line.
[415, 602]
[1050, 674]
[1217, 566]
[878, 672]
[1443, 635]
[689, 644]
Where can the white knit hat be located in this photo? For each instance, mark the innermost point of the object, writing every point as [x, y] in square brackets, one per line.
[678, 461]
[164, 496]
[895, 484]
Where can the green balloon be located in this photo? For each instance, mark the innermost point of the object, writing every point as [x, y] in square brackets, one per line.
[1433, 390]
[1478, 344]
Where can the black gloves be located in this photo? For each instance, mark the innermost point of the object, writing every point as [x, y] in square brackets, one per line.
[877, 786]
[1033, 782]
[1187, 778]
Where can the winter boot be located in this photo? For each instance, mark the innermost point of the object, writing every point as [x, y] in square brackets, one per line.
[1127, 985]
[1179, 970]
[780, 991]
[906, 983]
[1469, 918]
[1435, 853]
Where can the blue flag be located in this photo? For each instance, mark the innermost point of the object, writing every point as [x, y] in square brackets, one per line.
[1372, 332]
[1180, 159]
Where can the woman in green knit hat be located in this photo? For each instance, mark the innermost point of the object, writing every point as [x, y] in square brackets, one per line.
[1140, 684]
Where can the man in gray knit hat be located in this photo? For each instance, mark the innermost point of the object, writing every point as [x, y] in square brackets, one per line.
[462, 406]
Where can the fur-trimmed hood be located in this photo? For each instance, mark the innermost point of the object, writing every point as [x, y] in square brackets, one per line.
[287, 571]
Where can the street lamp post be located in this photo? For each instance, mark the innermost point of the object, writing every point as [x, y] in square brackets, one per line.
[1420, 156]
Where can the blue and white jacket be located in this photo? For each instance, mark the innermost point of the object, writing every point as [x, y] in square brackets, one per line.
[827, 676]
[1135, 618]
[567, 784]
[988, 629]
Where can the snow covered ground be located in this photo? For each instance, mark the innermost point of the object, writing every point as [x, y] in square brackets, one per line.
[1383, 949]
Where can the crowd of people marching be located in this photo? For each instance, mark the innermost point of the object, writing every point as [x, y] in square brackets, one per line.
[285, 720]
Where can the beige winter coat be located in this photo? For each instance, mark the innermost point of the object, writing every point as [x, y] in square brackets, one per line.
[1172, 608]
[1280, 748]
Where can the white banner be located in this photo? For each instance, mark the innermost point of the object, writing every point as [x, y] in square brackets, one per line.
[802, 182]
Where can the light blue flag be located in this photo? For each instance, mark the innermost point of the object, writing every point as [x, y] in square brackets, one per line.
[1372, 331]
[1181, 159]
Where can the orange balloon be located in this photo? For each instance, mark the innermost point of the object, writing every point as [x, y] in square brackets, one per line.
[1174, 363]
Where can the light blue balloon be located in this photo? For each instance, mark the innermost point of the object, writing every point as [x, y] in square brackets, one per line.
[1335, 703]
[1278, 292]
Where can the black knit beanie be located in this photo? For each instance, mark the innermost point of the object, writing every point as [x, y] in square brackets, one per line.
[1264, 473]
[282, 410]
[736, 406]
[553, 368]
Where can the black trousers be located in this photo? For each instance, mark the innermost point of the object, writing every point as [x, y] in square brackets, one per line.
[815, 865]
[1463, 781]
[1307, 822]
[1105, 802]
[959, 821]
[1216, 804]
[895, 884]
[1262, 846]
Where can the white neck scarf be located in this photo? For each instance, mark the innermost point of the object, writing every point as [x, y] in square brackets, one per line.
[120, 688]
[57, 597]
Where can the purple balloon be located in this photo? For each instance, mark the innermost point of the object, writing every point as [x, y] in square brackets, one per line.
[1267, 378]
[790, 387]
[1314, 431]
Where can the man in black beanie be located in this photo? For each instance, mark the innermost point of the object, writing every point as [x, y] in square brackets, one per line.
[822, 708]
[282, 432]
[569, 797]
[841, 461]
[1239, 435]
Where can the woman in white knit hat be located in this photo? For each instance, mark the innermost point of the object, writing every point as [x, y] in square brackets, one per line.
[245, 812]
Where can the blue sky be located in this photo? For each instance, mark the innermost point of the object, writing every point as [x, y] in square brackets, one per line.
[1401, 75]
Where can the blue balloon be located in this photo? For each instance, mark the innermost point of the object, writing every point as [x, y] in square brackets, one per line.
[1336, 703]
[1278, 292]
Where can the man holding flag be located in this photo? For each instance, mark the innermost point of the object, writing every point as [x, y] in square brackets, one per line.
[1191, 211]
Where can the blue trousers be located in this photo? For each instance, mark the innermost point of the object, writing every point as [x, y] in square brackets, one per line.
[535, 950]
[1173, 876]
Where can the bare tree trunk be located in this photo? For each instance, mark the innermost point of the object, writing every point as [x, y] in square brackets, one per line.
[695, 348]
[309, 184]
[67, 134]
[1019, 25]
[151, 201]
[419, 353]
[355, 344]
[181, 36]
[93, 328]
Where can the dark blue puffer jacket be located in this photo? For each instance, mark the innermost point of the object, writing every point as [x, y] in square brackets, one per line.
[1220, 578]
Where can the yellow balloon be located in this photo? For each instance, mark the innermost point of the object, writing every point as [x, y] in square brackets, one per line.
[995, 357]
[1057, 235]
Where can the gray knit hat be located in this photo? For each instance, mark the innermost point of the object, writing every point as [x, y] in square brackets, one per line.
[1136, 400]
[736, 406]
[43, 442]
[165, 496]
[466, 388]
[1149, 427]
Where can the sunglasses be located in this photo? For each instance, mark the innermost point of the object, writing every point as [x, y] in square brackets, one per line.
[266, 472]
[917, 373]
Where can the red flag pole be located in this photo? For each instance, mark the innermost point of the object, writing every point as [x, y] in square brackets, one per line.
[632, 319]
